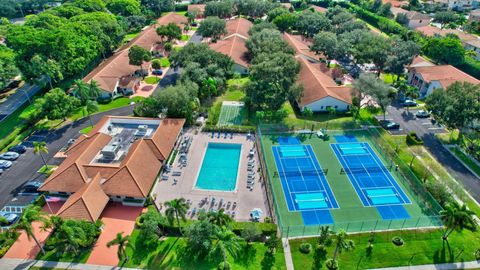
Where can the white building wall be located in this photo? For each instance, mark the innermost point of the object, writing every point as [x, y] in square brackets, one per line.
[322, 105]
[432, 86]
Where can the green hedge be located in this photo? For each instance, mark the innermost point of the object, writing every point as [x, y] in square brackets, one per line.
[7, 239]
[235, 129]
[413, 139]
[13, 136]
[266, 228]
[182, 7]
[471, 66]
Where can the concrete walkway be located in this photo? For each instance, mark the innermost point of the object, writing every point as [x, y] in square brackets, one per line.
[445, 266]
[288, 254]
[18, 264]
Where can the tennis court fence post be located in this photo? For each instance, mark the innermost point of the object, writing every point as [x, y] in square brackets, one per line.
[375, 228]
[389, 224]
[361, 227]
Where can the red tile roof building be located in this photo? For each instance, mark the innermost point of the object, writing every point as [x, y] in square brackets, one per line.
[119, 159]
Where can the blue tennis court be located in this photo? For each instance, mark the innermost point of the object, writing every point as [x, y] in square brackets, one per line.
[371, 179]
[303, 181]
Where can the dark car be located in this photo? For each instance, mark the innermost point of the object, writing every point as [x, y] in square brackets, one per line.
[18, 149]
[157, 72]
[31, 187]
[389, 124]
[409, 103]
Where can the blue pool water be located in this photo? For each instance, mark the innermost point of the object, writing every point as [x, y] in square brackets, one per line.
[219, 167]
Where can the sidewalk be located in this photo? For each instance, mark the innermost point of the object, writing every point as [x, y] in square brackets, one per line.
[444, 266]
[18, 264]
[288, 254]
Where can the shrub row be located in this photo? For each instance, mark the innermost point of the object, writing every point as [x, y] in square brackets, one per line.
[13, 136]
[267, 229]
[471, 66]
[234, 129]
[413, 139]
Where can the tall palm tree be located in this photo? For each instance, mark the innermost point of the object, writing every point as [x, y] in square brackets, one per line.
[176, 209]
[40, 148]
[122, 242]
[226, 241]
[95, 89]
[91, 107]
[456, 217]
[32, 214]
[219, 218]
[341, 243]
[81, 90]
[68, 238]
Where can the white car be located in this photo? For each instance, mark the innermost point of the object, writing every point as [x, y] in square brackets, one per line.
[5, 164]
[10, 218]
[9, 156]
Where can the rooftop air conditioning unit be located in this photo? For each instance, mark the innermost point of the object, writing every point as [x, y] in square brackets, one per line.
[141, 130]
[109, 152]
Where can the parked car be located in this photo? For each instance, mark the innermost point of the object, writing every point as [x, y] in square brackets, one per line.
[5, 164]
[194, 24]
[31, 186]
[422, 114]
[157, 72]
[9, 156]
[18, 149]
[10, 218]
[389, 124]
[1, 171]
[409, 103]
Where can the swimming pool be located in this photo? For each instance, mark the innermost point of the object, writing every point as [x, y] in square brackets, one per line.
[219, 168]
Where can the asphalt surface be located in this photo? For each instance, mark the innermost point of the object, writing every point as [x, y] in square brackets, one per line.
[17, 99]
[25, 168]
[426, 130]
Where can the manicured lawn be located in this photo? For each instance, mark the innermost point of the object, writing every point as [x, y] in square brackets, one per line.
[172, 253]
[60, 256]
[114, 104]
[467, 160]
[421, 247]
[86, 130]
[388, 78]
[152, 80]
[234, 93]
[185, 37]
[165, 62]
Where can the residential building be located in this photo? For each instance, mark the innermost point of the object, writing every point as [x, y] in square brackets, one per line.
[396, 3]
[119, 160]
[112, 74]
[197, 9]
[427, 76]
[474, 15]
[233, 44]
[474, 45]
[320, 91]
[453, 4]
[415, 19]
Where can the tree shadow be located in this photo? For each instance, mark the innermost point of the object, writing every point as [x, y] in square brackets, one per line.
[246, 255]
[268, 260]
[440, 255]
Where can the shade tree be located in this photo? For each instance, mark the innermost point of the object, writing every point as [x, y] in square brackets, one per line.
[170, 31]
[326, 43]
[310, 23]
[212, 27]
[222, 9]
[56, 104]
[137, 56]
[124, 7]
[8, 69]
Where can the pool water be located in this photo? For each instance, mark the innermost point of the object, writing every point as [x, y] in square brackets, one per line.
[219, 167]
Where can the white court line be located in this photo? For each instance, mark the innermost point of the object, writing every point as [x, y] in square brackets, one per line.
[286, 183]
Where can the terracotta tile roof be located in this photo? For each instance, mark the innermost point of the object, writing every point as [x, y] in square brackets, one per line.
[319, 9]
[444, 74]
[238, 26]
[414, 15]
[301, 45]
[318, 85]
[431, 31]
[117, 66]
[200, 8]
[235, 47]
[166, 136]
[475, 43]
[87, 203]
[396, 3]
[419, 61]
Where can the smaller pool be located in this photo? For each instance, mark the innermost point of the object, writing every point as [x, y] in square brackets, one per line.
[219, 167]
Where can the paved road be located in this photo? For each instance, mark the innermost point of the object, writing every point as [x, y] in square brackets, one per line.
[427, 132]
[25, 168]
[16, 100]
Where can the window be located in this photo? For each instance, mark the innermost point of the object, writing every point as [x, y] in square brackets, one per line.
[129, 198]
[321, 107]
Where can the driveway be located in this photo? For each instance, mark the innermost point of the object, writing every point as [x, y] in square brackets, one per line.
[116, 219]
[426, 130]
[25, 168]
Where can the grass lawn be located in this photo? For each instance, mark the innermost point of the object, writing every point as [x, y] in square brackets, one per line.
[171, 253]
[234, 93]
[60, 256]
[421, 247]
[467, 160]
[388, 78]
[130, 36]
[165, 62]
[47, 169]
[152, 80]
[114, 104]
[185, 37]
[86, 130]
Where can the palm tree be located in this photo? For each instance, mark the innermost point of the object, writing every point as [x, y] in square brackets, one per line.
[122, 242]
[32, 214]
[39, 148]
[226, 241]
[81, 90]
[341, 244]
[456, 217]
[219, 218]
[68, 238]
[176, 209]
[91, 107]
[95, 89]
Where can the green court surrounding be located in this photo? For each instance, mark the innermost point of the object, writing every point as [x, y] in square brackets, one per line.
[231, 113]
[351, 215]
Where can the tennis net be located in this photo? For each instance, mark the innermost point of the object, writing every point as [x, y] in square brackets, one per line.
[301, 173]
[365, 170]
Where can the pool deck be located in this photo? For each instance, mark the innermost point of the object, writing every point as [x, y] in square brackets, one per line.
[245, 199]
